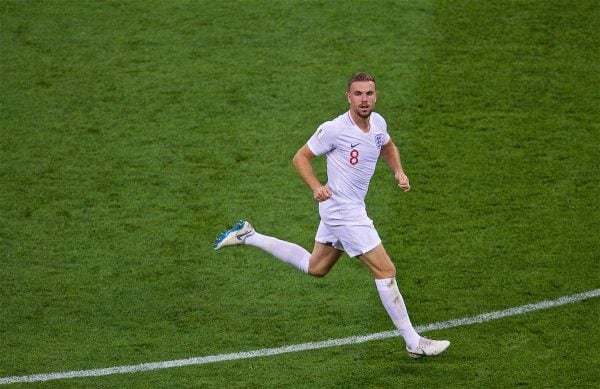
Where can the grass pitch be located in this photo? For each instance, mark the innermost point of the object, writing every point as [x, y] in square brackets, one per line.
[134, 132]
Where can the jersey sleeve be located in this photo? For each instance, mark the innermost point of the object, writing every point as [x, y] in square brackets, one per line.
[386, 138]
[382, 126]
[323, 140]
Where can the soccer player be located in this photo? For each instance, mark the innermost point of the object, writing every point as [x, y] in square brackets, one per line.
[352, 144]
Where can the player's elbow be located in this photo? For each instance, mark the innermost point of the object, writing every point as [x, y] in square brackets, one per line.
[295, 159]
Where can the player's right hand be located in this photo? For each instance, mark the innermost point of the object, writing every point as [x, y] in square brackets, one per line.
[322, 193]
[403, 182]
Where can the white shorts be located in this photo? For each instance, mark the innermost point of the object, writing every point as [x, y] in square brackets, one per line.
[355, 240]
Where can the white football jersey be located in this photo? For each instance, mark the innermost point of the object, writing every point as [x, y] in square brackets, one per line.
[352, 155]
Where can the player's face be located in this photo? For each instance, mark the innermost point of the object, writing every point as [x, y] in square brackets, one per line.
[362, 97]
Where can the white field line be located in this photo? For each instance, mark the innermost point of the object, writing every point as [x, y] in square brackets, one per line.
[303, 346]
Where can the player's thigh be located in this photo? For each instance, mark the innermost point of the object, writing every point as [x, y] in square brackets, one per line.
[379, 262]
[322, 259]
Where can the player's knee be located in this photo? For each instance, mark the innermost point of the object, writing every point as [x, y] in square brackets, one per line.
[387, 270]
[388, 273]
[318, 272]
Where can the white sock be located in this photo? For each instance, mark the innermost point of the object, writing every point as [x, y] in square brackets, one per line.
[290, 253]
[394, 305]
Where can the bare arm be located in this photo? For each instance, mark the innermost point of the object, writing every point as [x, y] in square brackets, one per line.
[303, 165]
[391, 156]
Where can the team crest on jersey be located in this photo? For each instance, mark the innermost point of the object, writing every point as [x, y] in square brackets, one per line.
[379, 140]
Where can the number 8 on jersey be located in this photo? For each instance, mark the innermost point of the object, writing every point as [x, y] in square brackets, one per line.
[353, 157]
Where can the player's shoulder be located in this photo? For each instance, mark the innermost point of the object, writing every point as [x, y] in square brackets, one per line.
[341, 121]
[378, 121]
[336, 125]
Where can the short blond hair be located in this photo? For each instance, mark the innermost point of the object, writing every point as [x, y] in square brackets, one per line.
[360, 76]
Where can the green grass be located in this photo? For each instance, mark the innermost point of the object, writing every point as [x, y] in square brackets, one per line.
[132, 133]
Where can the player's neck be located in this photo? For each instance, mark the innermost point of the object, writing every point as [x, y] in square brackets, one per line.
[361, 122]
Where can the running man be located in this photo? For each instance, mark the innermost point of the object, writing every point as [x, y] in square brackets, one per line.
[352, 144]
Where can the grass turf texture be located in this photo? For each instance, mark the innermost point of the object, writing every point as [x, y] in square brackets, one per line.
[133, 133]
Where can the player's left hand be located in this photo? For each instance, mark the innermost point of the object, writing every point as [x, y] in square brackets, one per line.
[403, 182]
[322, 193]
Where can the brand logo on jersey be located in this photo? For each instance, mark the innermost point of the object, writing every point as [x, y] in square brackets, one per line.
[354, 145]
[379, 140]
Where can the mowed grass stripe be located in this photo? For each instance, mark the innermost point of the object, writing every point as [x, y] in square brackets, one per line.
[303, 346]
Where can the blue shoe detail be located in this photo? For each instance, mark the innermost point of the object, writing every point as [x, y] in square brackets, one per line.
[225, 234]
